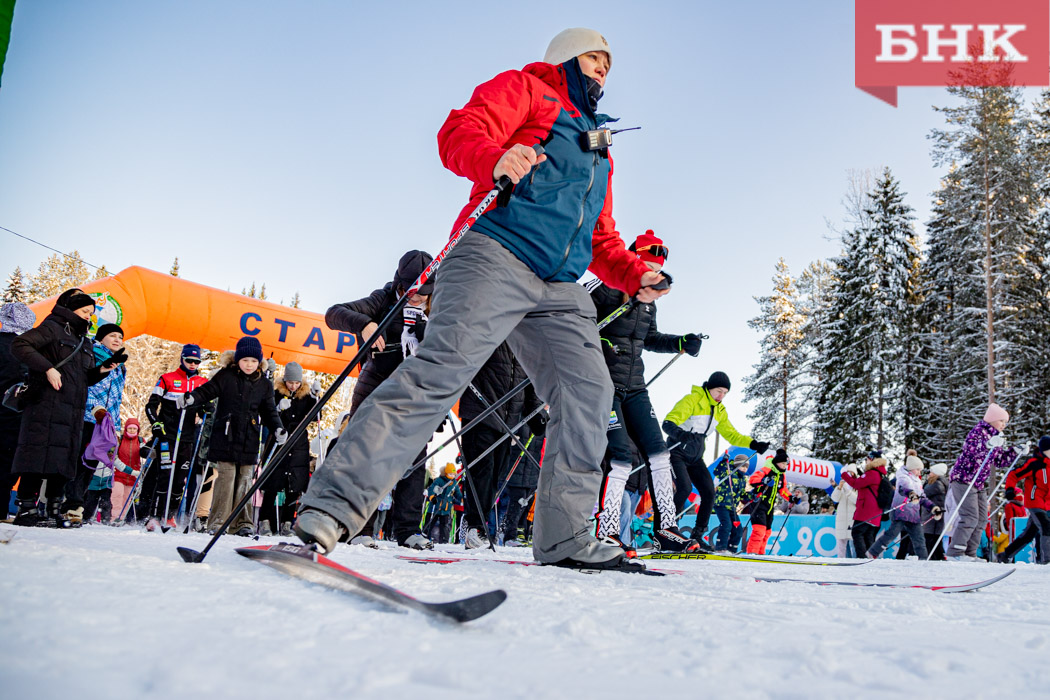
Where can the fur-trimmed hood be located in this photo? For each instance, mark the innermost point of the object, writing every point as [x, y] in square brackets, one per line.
[282, 389]
[226, 359]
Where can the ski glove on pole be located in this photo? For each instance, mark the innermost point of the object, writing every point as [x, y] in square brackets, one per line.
[183, 401]
[538, 423]
[280, 436]
[759, 447]
[415, 319]
[690, 343]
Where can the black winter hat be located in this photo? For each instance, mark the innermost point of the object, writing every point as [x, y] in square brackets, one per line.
[410, 267]
[718, 379]
[1011, 493]
[1044, 443]
[248, 347]
[74, 299]
[107, 328]
[781, 457]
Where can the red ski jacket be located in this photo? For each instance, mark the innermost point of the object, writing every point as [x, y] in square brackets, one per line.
[1033, 475]
[867, 485]
[558, 220]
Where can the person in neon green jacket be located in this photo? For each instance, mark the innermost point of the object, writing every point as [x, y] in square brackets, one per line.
[696, 415]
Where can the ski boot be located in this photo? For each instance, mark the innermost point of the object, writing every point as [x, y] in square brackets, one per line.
[286, 529]
[317, 527]
[474, 539]
[598, 556]
[670, 539]
[264, 529]
[365, 541]
[28, 514]
[73, 517]
[614, 541]
[417, 541]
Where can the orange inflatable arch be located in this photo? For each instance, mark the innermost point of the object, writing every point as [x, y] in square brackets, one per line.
[146, 302]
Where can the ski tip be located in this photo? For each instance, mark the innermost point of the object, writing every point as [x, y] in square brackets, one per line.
[469, 609]
[190, 556]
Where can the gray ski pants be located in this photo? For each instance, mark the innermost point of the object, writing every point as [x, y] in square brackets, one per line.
[483, 296]
[973, 515]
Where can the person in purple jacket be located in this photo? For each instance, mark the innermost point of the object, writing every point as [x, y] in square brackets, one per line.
[975, 465]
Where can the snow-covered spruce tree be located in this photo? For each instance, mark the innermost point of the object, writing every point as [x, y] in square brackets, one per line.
[996, 201]
[773, 385]
[814, 287]
[56, 274]
[16, 286]
[862, 329]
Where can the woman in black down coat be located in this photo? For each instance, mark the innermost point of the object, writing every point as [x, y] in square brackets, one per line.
[49, 440]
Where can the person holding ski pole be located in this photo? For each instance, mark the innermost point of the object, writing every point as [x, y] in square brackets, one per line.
[513, 276]
[500, 373]
[763, 488]
[968, 478]
[1032, 479]
[164, 420]
[690, 422]
[245, 401]
[632, 418]
[396, 342]
[867, 516]
[732, 483]
[936, 490]
[908, 497]
[443, 495]
[294, 400]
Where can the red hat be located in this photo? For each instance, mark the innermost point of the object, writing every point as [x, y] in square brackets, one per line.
[650, 248]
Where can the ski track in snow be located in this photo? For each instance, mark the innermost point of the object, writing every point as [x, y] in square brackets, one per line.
[115, 613]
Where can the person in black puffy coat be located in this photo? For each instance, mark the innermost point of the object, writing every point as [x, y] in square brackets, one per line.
[400, 338]
[632, 413]
[17, 318]
[49, 438]
[294, 401]
[497, 377]
[245, 402]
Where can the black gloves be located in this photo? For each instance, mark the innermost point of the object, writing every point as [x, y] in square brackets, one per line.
[759, 447]
[690, 343]
[538, 423]
[118, 358]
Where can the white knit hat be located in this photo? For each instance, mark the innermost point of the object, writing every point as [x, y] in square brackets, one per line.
[913, 463]
[572, 42]
[940, 469]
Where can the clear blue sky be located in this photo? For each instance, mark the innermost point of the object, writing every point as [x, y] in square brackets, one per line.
[294, 143]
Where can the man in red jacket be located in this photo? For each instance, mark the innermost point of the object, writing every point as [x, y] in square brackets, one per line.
[513, 277]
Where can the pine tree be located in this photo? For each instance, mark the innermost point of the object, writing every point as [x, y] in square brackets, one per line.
[56, 274]
[296, 301]
[262, 292]
[16, 287]
[251, 291]
[814, 286]
[994, 205]
[773, 383]
[101, 273]
[174, 271]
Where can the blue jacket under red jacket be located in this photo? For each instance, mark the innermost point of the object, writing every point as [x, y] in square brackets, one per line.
[558, 220]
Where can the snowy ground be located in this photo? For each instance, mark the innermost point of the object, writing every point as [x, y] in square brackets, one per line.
[115, 613]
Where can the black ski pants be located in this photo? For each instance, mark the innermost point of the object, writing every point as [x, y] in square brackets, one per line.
[487, 473]
[931, 540]
[76, 488]
[688, 473]
[291, 480]
[1038, 528]
[863, 536]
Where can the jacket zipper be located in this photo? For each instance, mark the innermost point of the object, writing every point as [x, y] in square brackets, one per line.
[579, 224]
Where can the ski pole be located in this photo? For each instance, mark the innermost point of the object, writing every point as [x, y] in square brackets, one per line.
[995, 442]
[189, 474]
[503, 424]
[783, 525]
[174, 459]
[499, 492]
[1022, 450]
[499, 442]
[192, 556]
[197, 496]
[671, 362]
[474, 493]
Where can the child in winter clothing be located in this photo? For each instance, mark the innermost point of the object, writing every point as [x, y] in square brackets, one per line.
[1033, 480]
[868, 514]
[846, 498]
[767, 484]
[975, 465]
[127, 464]
[443, 495]
[907, 498]
[245, 400]
[936, 489]
[732, 482]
